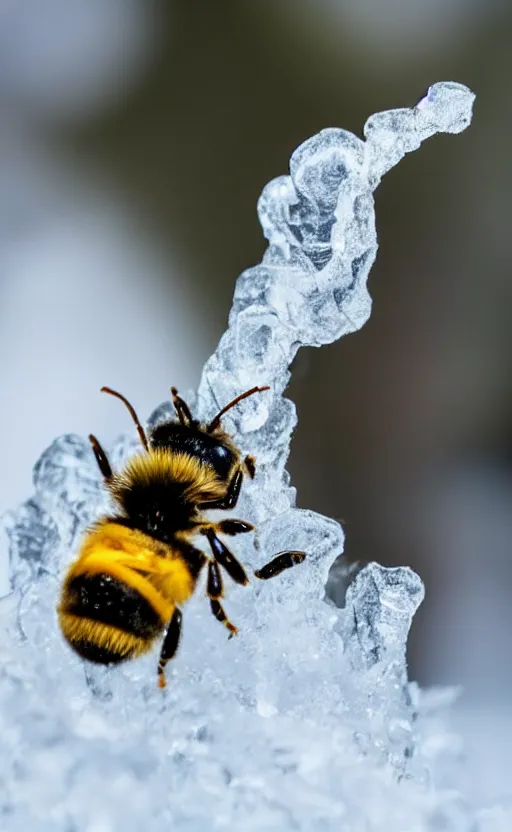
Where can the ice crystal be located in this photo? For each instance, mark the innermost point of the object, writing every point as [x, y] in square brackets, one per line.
[307, 721]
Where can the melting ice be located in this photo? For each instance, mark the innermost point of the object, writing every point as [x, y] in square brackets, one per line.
[307, 720]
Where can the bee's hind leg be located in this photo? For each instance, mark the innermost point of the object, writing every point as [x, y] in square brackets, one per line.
[170, 645]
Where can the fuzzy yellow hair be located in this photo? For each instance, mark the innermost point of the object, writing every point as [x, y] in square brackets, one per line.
[158, 465]
[77, 629]
[154, 569]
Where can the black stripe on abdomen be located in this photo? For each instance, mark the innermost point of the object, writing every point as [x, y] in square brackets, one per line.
[101, 597]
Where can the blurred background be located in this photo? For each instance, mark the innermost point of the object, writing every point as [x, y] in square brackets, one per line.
[135, 138]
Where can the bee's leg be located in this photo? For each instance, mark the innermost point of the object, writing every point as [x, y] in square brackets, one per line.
[250, 465]
[233, 491]
[230, 500]
[221, 616]
[233, 527]
[170, 645]
[182, 408]
[226, 558]
[282, 561]
[214, 590]
[101, 458]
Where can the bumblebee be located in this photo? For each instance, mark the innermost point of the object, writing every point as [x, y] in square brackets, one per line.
[136, 568]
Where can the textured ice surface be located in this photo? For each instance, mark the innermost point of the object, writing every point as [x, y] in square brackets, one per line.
[307, 720]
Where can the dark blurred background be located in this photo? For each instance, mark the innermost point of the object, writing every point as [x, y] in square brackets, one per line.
[135, 138]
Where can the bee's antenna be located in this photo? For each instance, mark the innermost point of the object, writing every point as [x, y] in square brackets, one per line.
[140, 429]
[216, 421]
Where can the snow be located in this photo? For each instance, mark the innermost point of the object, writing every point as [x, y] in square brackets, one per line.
[307, 720]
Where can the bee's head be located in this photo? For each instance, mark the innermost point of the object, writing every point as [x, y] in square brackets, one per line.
[214, 451]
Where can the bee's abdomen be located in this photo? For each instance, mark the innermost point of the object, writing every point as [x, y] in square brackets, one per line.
[90, 650]
[101, 597]
[105, 620]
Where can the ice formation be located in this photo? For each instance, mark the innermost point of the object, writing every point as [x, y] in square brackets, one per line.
[307, 720]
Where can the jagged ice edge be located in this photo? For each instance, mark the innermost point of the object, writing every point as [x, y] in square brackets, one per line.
[311, 286]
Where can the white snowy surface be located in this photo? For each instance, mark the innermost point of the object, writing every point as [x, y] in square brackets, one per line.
[307, 720]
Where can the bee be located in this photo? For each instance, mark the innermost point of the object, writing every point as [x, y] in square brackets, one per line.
[136, 568]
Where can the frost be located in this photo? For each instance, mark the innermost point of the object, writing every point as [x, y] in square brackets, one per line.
[307, 721]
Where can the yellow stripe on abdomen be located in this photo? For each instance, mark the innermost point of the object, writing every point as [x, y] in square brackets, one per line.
[81, 633]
